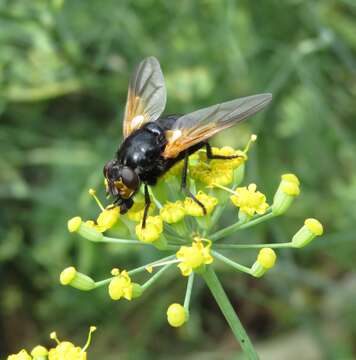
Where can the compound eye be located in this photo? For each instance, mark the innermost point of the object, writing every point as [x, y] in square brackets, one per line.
[112, 171]
[129, 178]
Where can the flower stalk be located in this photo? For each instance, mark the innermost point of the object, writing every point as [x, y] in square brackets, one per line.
[231, 317]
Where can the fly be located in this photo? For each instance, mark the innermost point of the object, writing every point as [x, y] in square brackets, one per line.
[153, 142]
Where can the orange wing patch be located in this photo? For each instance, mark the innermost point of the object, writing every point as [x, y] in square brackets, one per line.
[182, 139]
[135, 116]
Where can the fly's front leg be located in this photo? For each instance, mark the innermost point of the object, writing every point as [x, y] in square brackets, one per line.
[147, 206]
[184, 183]
[210, 155]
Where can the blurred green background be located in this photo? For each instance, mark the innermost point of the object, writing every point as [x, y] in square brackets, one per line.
[64, 70]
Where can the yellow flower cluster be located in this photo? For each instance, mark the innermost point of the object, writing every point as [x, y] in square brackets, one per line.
[64, 350]
[193, 257]
[217, 171]
[225, 151]
[249, 200]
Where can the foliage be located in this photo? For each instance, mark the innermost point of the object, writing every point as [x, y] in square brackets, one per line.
[64, 68]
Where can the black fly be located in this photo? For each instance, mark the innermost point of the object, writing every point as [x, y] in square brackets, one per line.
[154, 143]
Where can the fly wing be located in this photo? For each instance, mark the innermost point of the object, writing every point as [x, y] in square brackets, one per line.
[200, 125]
[146, 97]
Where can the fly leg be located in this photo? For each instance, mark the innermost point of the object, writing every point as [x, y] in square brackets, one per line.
[147, 206]
[183, 185]
[210, 155]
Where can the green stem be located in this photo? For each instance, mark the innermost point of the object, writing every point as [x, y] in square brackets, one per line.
[102, 282]
[123, 241]
[107, 239]
[240, 225]
[252, 246]
[144, 267]
[225, 306]
[155, 277]
[232, 263]
[188, 293]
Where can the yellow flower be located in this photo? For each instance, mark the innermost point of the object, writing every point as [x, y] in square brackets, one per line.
[249, 200]
[290, 184]
[218, 173]
[120, 286]
[311, 229]
[152, 230]
[39, 352]
[74, 224]
[227, 151]
[107, 218]
[67, 275]
[265, 260]
[287, 190]
[176, 315]
[172, 212]
[65, 350]
[22, 355]
[86, 229]
[314, 226]
[192, 257]
[70, 276]
[194, 209]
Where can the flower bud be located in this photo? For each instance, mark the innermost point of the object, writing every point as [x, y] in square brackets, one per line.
[311, 229]
[70, 276]
[287, 190]
[84, 229]
[176, 315]
[265, 260]
[39, 353]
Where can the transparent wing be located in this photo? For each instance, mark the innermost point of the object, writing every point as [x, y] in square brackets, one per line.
[200, 125]
[146, 97]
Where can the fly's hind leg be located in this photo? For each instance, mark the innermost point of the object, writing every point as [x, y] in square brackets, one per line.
[147, 206]
[184, 183]
[210, 155]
